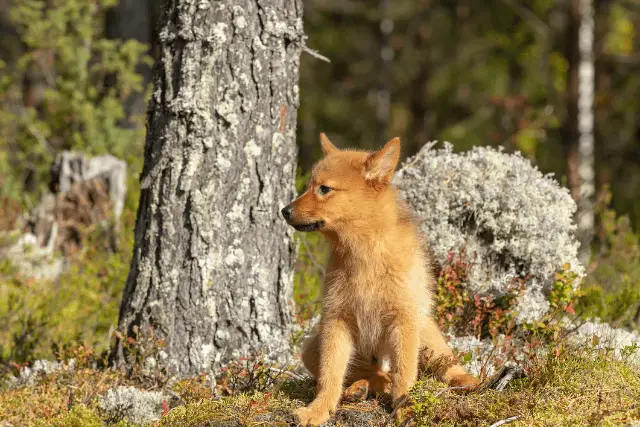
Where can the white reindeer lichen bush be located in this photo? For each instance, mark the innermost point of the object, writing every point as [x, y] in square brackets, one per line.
[508, 218]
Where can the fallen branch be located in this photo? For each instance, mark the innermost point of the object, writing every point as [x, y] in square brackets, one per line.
[503, 377]
[402, 402]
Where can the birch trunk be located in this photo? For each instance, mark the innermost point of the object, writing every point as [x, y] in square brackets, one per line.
[586, 169]
[213, 261]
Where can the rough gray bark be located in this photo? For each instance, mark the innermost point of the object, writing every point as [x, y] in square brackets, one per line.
[213, 262]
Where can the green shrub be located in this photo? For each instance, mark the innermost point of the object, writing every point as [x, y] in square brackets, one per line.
[78, 416]
[612, 290]
[56, 96]
[44, 317]
[309, 273]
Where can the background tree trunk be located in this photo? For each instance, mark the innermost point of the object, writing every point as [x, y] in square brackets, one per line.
[570, 128]
[578, 136]
[586, 169]
[213, 261]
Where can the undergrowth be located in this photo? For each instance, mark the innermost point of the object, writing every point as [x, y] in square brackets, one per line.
[578, 386]
[82, 305]
[565, 384]
[612, 290]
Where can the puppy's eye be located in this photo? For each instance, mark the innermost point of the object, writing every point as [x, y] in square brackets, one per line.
[324, 190]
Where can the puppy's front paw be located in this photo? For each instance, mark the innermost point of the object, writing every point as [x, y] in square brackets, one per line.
[468, 381]
[356, 392]
[311, 415]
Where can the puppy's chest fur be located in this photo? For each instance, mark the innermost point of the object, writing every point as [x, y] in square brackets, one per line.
[374, 296]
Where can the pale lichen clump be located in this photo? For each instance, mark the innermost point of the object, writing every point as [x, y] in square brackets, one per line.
[510, 220]
[130, 403]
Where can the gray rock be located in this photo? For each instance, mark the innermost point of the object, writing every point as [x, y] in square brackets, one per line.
[511, 219]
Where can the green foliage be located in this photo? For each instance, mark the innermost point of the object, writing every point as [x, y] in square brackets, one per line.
[56, 96]
[45, 317]
[78, 416]
[562, 298]
[465, 314]
[308, 278]
[621, 37]
[563, 293]
[517, 98]
[612, 290]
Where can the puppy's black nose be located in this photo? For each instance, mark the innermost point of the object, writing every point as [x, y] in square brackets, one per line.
[287, 211]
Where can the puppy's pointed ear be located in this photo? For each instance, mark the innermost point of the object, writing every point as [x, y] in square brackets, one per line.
[381, 164]
[327, 146]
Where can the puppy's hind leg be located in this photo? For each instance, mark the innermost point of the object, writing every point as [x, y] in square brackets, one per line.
[436, 354]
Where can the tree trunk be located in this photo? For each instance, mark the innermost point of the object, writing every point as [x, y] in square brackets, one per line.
[586, 170]
[570, 129]
[213, 261]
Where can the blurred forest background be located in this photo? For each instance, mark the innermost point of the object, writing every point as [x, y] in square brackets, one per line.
[75, 75]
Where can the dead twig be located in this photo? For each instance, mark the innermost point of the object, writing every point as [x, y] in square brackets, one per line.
[503, 377]
[506, 421]
[315, 53]
[313, 259]
[442, 391]
[402, 402]
[287, 373]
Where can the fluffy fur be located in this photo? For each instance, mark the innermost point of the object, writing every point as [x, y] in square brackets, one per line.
[377, 302]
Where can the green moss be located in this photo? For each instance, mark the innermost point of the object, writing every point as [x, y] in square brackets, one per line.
[78, 416]
[571, 386]
[581, 387]
[270, 409]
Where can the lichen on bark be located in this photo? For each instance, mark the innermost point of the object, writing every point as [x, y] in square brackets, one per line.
[213, 262]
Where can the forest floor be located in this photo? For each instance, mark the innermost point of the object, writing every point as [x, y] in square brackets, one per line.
[571, 386]
[564, 385]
